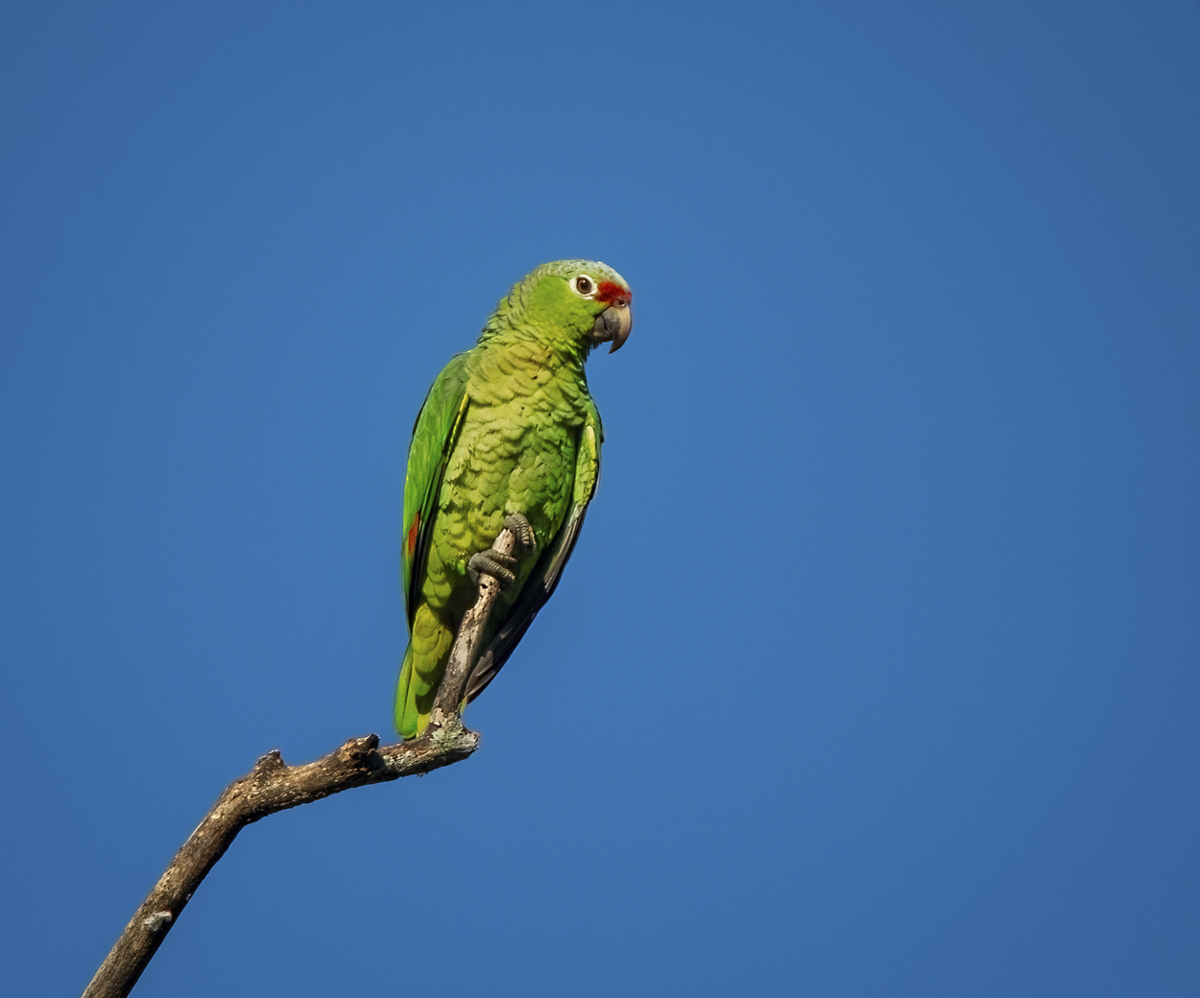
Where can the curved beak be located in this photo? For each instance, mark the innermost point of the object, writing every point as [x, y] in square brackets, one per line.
[614, 324]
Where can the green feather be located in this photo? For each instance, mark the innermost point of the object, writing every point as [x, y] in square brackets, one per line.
[434, 435]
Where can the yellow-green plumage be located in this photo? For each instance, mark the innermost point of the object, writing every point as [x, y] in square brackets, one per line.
[508, 427]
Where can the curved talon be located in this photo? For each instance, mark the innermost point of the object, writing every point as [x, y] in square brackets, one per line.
[492, 562]
[497, 564]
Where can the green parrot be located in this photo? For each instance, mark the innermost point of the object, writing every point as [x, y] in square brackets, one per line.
[507, 436]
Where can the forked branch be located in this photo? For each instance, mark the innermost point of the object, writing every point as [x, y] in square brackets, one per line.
[272, 786]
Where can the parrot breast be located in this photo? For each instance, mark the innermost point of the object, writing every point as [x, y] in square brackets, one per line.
[515, 454]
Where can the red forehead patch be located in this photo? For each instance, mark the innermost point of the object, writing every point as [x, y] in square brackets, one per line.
[612, 291]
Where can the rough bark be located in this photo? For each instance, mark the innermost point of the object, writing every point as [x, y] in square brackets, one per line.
[466, 643]
[272, 786]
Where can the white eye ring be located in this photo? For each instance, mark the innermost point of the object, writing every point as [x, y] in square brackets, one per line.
[583, 286]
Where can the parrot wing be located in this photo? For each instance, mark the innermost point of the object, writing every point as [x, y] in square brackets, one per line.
[434, 436]
[540, 585]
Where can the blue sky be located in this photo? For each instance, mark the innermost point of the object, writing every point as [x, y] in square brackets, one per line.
[874, 672]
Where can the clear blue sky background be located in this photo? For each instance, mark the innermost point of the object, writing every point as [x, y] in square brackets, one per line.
[875, 671]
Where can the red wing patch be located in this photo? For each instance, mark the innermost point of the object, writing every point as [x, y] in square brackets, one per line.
[411, 540]
[612, 291]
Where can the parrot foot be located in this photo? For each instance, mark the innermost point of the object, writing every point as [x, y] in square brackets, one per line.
[498, 564]
[522, 531]
[494, 563]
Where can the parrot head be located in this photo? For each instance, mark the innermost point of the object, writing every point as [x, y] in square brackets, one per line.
[584, 300]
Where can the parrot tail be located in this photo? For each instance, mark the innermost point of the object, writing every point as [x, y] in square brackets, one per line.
[421, 672]
[406, 715]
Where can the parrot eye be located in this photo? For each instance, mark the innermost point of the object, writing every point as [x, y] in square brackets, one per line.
[583, 286]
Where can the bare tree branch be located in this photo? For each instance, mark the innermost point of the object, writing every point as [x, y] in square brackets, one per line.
[272, 786]
[466, 643]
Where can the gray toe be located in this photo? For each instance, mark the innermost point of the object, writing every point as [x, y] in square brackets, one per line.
[492, 563]
[521, 530]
